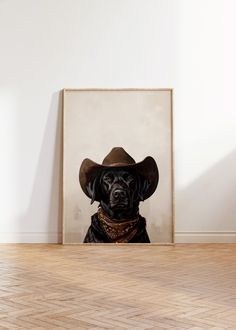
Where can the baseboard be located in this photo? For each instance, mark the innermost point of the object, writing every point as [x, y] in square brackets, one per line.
[205, 237]
[180, 237]
[30, 237]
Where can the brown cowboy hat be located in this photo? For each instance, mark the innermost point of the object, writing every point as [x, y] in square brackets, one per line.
[119, 158]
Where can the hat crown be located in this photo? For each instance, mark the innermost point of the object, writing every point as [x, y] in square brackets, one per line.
[118, 156]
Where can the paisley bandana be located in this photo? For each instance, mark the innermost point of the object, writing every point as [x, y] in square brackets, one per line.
[118, 231]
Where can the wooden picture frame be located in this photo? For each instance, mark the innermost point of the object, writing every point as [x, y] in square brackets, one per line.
[140, 121]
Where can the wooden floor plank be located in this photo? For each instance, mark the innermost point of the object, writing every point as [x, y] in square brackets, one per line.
[187, 286]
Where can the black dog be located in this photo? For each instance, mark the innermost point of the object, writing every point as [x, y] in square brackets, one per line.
[117, 220]
[118, 184]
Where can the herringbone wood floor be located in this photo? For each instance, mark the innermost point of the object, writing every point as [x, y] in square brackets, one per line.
[118, 287]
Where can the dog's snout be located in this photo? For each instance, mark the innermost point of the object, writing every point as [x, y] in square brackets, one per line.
[119, 193]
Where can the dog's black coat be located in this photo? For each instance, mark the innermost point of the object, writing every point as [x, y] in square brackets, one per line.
[119, 192]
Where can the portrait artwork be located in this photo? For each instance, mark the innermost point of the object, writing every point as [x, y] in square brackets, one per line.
[117, 167]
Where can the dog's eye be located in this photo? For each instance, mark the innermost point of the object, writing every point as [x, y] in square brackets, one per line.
[128, 178]
[108, 178]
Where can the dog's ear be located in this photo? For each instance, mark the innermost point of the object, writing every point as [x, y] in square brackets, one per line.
[143, 188]
[92, 188]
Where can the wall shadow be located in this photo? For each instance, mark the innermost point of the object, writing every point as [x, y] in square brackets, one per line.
[208, 203]
[45, 206]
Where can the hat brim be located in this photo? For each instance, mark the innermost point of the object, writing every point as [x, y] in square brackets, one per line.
[147, 169]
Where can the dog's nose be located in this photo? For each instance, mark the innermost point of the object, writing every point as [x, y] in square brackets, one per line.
[119, 193]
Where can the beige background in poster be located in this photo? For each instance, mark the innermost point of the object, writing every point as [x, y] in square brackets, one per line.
[95, 121]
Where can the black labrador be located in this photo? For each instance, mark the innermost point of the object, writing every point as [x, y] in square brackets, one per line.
[119, 192]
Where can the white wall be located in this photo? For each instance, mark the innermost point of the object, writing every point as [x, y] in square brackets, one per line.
[185, 44]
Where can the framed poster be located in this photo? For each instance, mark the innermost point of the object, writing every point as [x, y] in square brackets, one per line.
[137, 123]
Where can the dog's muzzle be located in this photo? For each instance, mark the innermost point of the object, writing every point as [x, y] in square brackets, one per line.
[119, 197]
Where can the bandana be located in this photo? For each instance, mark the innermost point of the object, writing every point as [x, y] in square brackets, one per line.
[118, 231]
